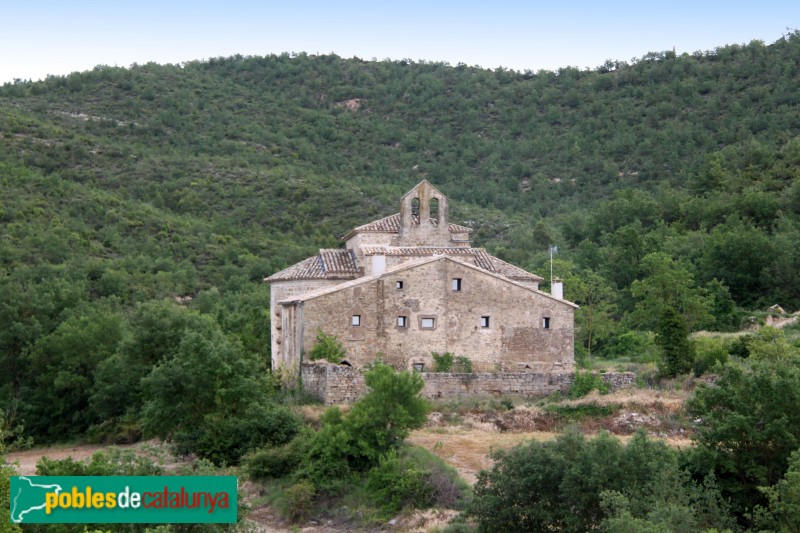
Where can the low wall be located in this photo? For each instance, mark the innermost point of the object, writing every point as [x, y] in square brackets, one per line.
[334, 384]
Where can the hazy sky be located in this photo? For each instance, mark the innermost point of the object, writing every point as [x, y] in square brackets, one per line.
[41, 37]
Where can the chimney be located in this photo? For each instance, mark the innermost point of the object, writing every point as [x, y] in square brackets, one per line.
[378, 264]
[557, 288]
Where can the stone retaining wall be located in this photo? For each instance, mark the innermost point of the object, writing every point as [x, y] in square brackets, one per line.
[334, 384]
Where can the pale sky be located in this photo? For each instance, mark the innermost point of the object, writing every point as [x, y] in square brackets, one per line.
[43, 37]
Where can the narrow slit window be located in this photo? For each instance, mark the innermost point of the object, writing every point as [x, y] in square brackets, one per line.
[484, 321]
[356, 320]
[456, 284]
[428, 323]
[402, 321]
[398, 285]
[546, 322]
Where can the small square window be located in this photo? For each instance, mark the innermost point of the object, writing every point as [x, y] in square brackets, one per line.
[356, 320]
[427, 323]
[398, 285]
[546, 322]
[484, 321]
[419, 367]
[402, 321]
[457, 284]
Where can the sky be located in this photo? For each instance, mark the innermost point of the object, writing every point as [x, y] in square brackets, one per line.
[56, 37]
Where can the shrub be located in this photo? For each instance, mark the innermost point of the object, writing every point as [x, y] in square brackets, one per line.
[586, 382]
[111, 462]
[328, 348]
[300, 500]
[396, 484]
[226, 439]
[375, 425]
[560, 485]
[277, 461]
[750, 426]
[708, 352]
[447, 362]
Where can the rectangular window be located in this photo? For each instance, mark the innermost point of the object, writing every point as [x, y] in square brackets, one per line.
[546, 322]
[402, 321]
[356, 320]
[427, 323]
[398, 285]
[457, 284]
[484, 321]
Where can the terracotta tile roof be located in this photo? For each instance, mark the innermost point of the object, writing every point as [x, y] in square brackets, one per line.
[334, 264]
[310, 268]
[416, 250]
[338, 261]
[512, 272]
[391, 224]
[412, 264]
[480, 258]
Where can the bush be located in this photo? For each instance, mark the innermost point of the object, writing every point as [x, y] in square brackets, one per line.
[111, 462]
[226, 439]
[375, 425]
[299, 501]
[396, 484]
[5, 487]
[560, 485]
[708, 352]
[586, 382]
[750, 426]
[328, 348]
[447, 362]
[277, 461]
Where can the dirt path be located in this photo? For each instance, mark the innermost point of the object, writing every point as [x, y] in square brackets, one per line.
[24, 462]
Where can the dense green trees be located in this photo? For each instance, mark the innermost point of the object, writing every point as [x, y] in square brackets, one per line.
[669, 178]
[575, 484]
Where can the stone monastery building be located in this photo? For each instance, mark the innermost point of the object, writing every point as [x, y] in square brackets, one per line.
[411, 284]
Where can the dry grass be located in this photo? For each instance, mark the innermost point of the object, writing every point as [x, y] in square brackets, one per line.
[467, 449]
[669, 401]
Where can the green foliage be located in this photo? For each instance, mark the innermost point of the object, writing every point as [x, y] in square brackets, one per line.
[300, 500]
[213, 174]
[327, 348]
[569, 484]
[447, 362]
[749, 426]
[375, 425]
[278, 461]
[586, 382]
[783, 511]
[395, 484]
[676, 348]
[709, 352]
[637, 346]
[212, 399]
[412, 477]
[5, 486]
[110, 462]
[224, 439]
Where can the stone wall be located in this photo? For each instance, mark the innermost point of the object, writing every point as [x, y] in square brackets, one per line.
[496, 323]
[334, 384]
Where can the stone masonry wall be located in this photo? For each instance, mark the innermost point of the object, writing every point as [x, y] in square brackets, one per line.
[335, 384]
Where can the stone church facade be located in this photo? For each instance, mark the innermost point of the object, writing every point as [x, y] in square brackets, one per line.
[411, 284]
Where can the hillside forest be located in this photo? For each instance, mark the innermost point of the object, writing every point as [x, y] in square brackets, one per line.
[141, 208]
